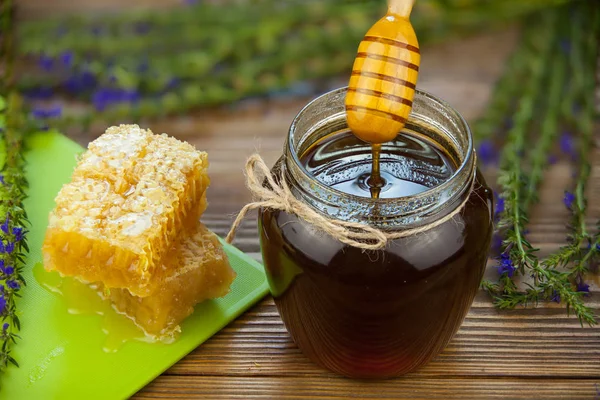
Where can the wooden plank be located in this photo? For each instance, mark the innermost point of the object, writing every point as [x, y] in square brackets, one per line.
[224, 387]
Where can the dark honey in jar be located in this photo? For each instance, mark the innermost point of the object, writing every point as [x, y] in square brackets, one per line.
[378, 313]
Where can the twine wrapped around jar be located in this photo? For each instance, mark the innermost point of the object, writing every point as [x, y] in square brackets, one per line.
[278, 196]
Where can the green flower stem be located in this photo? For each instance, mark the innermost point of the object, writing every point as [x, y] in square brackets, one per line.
[556, 282]
[582, 62]
[519, 189]
[6, 45]
[511, 177]
[12, 194]
[586, 82]
[585, 122]
[549, 129]
[590, 254]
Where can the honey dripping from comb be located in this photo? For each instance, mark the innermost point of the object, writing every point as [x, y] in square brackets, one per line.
[383, 82]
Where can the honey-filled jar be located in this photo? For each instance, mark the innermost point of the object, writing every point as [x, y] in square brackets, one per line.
[378, 313]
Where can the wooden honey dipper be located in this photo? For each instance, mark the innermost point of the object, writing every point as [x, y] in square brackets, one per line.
[384, 75]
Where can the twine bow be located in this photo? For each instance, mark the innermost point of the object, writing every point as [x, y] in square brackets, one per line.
[278, 196]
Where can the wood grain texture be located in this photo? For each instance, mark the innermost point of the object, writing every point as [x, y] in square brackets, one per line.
[214, 387]
[536, 353]
[534, 343]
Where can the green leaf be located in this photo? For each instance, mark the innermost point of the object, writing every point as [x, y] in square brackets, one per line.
[12, 361]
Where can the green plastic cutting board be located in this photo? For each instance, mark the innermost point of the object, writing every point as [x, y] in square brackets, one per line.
[60, 354]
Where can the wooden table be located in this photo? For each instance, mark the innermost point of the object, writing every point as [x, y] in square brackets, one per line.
[540, 353]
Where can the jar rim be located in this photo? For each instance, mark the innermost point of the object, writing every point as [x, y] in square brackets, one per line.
[455, 184]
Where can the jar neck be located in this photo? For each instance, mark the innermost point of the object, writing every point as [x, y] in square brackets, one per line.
[430, 117]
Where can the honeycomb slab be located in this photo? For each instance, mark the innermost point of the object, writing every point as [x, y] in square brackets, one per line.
[197, 270]
[130, 195]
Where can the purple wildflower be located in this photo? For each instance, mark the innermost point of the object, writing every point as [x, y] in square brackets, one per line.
[2, 248]
[10, 247]
[143, 66]
[12, 284]
[172, 84]
[67, 58]
[46, 63]
[101, 98]
[499, 208]
[487, 152]
[565, 45]
[142, 27]
[97, 30]
[51, 112]
[2, 303]
[497, 242]
[191, 2]
[506, 266]
[9, 270]
[582, 286]
[569, 199]
[4, 226]
[567, 145]
[2, 180]
[5, 327]
[1, 288]
[105, 97]
[39, 92]
[555, 297]
[18, 232]
[131, 96]
[80, 82]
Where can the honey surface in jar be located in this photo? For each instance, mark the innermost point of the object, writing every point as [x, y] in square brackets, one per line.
[408, 164]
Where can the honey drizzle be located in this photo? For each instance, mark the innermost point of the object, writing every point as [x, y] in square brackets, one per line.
[375, 181]
[82, 299]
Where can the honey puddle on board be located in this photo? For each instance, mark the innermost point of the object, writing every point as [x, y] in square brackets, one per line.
[80, 298]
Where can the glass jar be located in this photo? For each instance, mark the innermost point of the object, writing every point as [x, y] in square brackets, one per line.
[378, 313]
